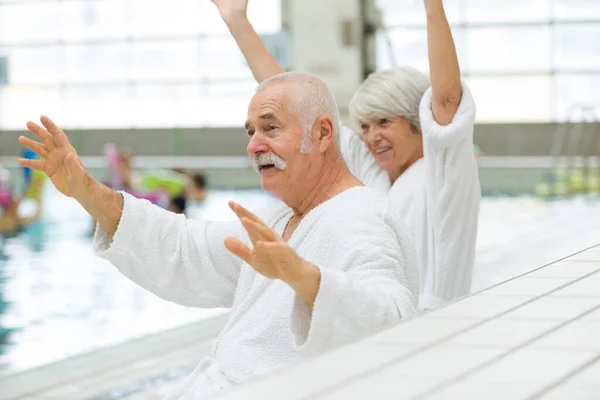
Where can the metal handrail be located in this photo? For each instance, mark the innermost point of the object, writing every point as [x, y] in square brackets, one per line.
[569, 138]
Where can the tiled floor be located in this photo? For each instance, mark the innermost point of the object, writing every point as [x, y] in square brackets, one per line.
[534, 337]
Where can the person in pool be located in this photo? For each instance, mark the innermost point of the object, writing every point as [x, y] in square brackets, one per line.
[11, 222]
[194, 190]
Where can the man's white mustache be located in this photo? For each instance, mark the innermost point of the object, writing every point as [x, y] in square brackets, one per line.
[263, 159]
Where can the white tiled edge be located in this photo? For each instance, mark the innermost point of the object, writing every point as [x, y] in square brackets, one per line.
[457, 350]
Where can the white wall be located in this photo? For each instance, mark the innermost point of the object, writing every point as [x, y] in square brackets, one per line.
[319, 45]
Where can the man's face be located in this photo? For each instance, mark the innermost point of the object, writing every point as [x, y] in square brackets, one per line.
[275, 141]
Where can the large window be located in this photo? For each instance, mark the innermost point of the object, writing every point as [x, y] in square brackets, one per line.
[534, 60]
[124, 63]
[156, 63]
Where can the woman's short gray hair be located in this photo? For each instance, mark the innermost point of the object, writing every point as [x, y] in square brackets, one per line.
[392, 92]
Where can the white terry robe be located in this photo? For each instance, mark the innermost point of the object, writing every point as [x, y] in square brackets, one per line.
[437, 197]
[369, 281]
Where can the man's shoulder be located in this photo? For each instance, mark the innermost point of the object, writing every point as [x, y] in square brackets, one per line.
[374, 211]
[366, 196]
[361, 205]
[362, 220]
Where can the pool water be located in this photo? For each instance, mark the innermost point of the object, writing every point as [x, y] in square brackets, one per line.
[60, 299]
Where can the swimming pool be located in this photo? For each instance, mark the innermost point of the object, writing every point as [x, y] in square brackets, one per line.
[63, 300]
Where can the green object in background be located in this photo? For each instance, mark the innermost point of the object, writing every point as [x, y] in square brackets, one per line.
[576, 181]
[579, 183]
[36, 186]
[543, 190]
[560, 175]
[560, 189]
[171, 181]
[561, 182]
[593, 183]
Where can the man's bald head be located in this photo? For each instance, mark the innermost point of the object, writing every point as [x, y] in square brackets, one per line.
[309, 99]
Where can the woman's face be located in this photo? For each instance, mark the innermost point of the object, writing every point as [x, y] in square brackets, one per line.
[393, 143]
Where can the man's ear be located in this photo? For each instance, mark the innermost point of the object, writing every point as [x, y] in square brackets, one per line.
[324, 133]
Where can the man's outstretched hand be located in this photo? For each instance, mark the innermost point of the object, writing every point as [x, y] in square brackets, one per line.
[273, 257]
[59, 160]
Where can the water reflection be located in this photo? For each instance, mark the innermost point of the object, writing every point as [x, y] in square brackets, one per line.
[35, 236]
[61, 299]
[5, 331]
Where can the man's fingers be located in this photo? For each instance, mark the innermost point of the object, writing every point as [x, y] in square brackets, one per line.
[262, 245]
[37, 147]
[41, 134]
[253, 234]
[260, 230]
[245, 215]
[273, 250]
[58, 134]
[240, 211]
[34, 164]
[238, 248]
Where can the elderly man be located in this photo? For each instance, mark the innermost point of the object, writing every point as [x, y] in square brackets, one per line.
[325, 269]
[414, 141]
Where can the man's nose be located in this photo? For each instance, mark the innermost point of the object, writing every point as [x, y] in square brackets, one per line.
[256, 146]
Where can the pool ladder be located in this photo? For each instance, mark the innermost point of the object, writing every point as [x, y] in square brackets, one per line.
[576, 150]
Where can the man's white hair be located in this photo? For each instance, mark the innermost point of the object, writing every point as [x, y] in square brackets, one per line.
[309, 99]
[392, 92]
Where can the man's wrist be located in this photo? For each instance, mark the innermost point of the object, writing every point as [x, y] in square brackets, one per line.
[103, 204]
[86, 196]
[307, 286]
[95, 195]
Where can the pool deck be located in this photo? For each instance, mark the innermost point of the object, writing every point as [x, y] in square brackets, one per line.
[536, 336]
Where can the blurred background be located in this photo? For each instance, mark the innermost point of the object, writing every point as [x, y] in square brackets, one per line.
[166, 80]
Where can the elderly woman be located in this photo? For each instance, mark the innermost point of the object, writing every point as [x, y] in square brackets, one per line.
[415, 142]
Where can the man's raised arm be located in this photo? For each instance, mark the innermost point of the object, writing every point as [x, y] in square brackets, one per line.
[180, 260]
